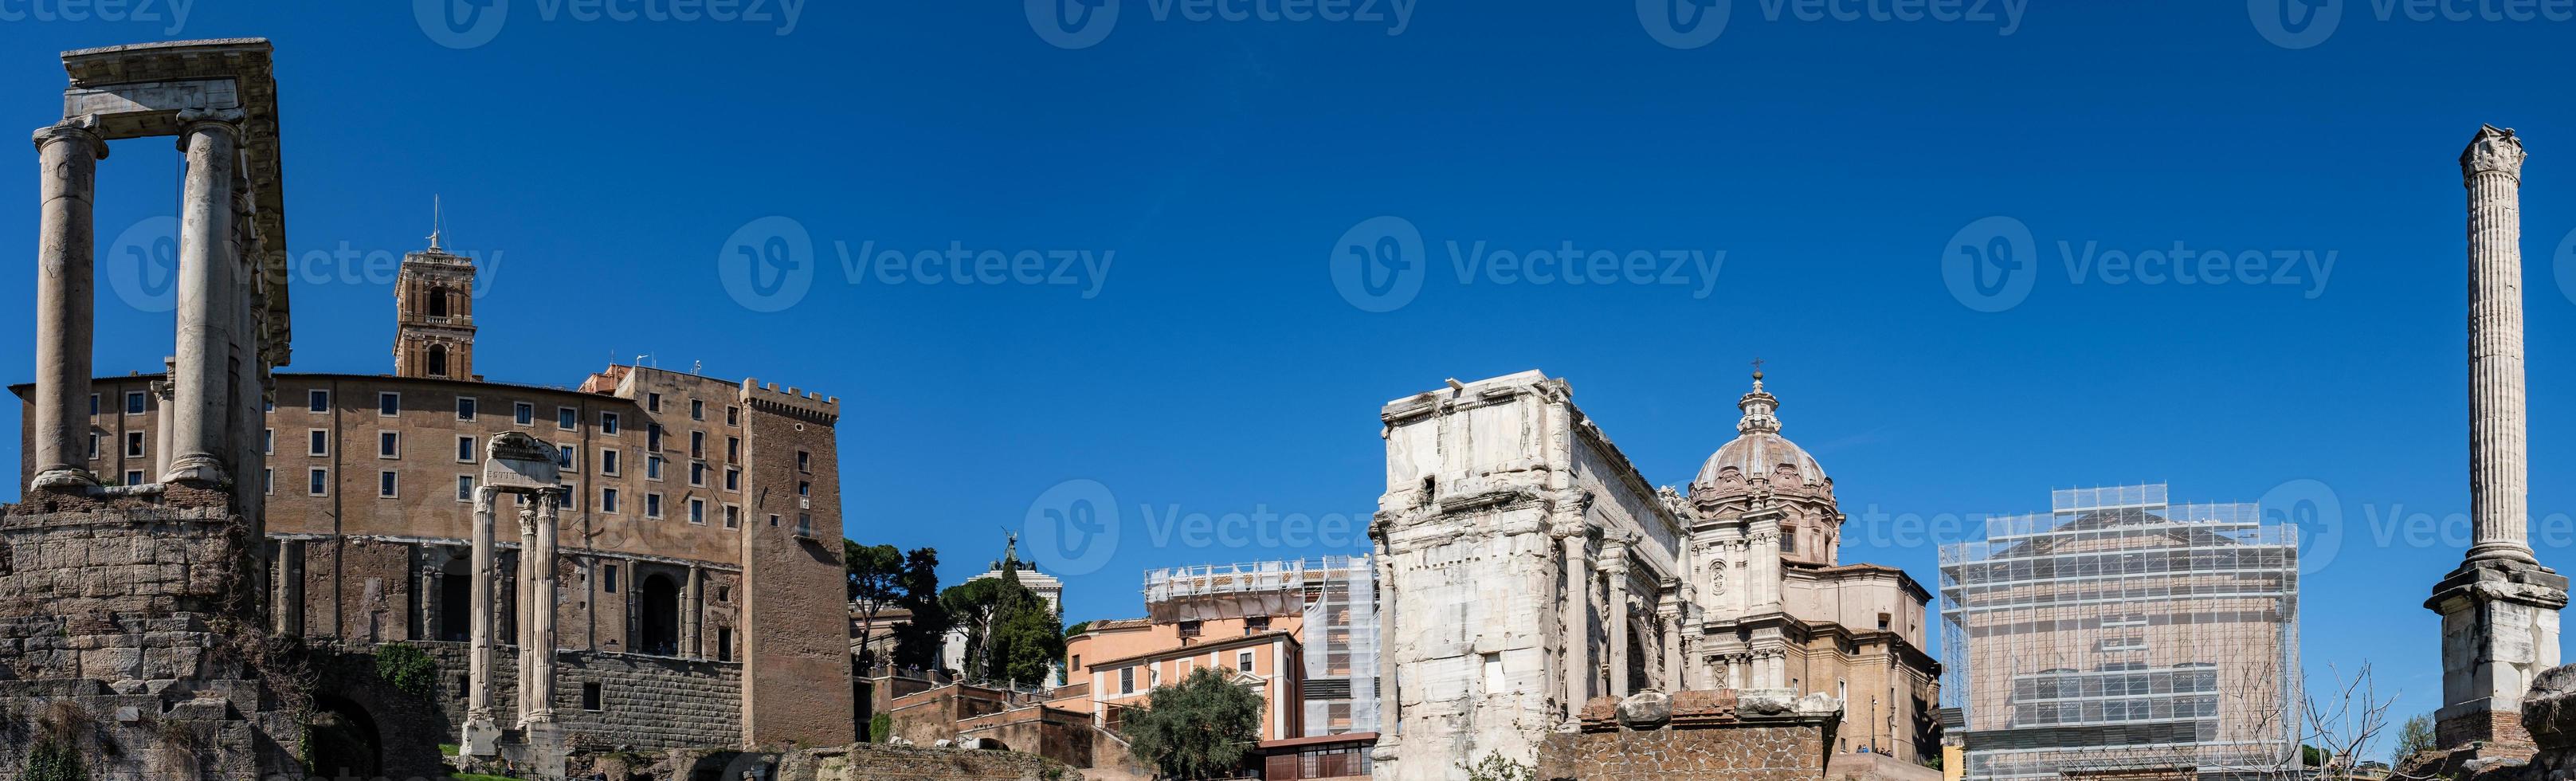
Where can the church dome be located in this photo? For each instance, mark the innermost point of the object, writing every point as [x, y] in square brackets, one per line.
[1759, 451]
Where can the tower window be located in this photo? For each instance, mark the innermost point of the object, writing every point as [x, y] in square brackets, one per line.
[438, 302]
[438, 360]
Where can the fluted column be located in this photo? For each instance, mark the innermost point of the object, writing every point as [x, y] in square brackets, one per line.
[479, 726]
[67, 158]
[1674, 665]
[1576, 610]
[1614, 565]
[541, 643]
[2499, 470]
[526, 632]
[198, 420]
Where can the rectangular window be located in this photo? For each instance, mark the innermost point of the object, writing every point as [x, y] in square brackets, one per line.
[698, 473]
[804, 462]
[133, 444]
[592, 699]
[388, 404]
[608, 461]
[388, 444]
[608, 423]
[317, 442]
[385, 485]
[733, 416]
[1253, 625]
[1243, 661]
[733, 449]
[318, 482]
[1126, 680]
[652, 402]
[571, 498]
[564, 456]
[697, 410]
[724, 644]
[773, 520]
[804, 488]
[653, 467]
[804, 524]
[134, 402]
[1190, 629]
[318, 400]
[268, 441]
[464, 408]
[608, 500]
[652, 505]
[134, 477]
[93, 446]
[733, 517]
[523, 413]
[465, 450]
[608, 578]
[733, 479]
[93, 405]
[698, 511]
[465, 488]
[268, 482]
[567, 418]
[653, 437]
[697, 444]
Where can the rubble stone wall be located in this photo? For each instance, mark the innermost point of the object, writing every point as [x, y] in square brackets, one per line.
[647, 703]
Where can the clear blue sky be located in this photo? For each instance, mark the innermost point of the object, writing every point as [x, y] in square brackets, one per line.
[1216, 369]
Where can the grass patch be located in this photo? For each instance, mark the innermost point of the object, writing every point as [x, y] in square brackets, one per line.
[447, 749]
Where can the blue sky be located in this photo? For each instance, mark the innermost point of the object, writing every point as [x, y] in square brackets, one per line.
[1206, 363]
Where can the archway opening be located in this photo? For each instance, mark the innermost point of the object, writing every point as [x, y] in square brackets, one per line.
[455, 601]
[343, 741]
[658, 631]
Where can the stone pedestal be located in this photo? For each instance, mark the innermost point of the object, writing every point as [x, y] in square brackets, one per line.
[2499, 632]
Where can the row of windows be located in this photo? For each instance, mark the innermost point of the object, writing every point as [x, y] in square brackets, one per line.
[1154, 675]
[389, 446]
[389, 486]
[389, 404]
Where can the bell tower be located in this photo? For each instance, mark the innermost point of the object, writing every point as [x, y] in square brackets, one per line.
[434, 310]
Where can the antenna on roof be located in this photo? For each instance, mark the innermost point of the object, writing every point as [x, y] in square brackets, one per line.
[433, 222]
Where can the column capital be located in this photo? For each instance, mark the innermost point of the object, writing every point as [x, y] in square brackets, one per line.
[484, 498]
[193, 120]
[2495, 150]
[82, 129]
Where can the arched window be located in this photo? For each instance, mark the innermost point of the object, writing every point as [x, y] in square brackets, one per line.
[438, 302]
[658, 632]
[438, 360]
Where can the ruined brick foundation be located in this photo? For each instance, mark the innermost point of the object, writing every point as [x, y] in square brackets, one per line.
[1695, 736]
[124, 648]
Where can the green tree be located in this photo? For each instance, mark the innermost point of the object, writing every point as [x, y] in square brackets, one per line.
[883, 578]
[2415, 736]
[876, 585]
[1199, 728]
[1010, 633]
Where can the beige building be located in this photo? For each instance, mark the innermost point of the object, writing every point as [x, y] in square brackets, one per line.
[1527, 567]
[699, 589]
[2123, 636]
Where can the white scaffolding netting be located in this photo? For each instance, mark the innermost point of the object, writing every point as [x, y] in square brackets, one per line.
[2122, 635]
[1335, 598]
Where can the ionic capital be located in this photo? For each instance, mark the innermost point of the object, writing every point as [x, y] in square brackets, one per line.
[82, 129]
[2493, 150]
[194, 120]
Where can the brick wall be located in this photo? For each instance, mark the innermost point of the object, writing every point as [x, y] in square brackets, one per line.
[798, 665]
[870, 762]
[1698, 736]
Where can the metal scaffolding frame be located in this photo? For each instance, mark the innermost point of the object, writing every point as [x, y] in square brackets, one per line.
[1336, 599]
[2122, 634]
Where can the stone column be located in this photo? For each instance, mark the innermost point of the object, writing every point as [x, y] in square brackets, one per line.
[431, 589]
[206, 297]
[165, 394]
[1576, 610]
[290, 588]
[527, 612]
[67, 158]
[1674, 666]
[541, 643]
[1614, 565]
[2500, 607]
[480, 731]
[693, 612]
[2499, 470]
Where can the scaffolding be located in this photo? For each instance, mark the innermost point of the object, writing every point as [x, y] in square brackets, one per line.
[2122, 635]
[1335, 598]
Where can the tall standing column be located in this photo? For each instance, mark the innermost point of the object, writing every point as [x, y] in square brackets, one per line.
[2499, 471]
[526, 633]
[2500, 607]
[480, 731]
[693, 610]
[1614, 565]
[541, 643]
[67, 157]
[199, 419]
[1578, 616]
[1670, 619]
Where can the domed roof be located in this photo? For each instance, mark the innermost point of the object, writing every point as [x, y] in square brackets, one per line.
[1760, 451]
